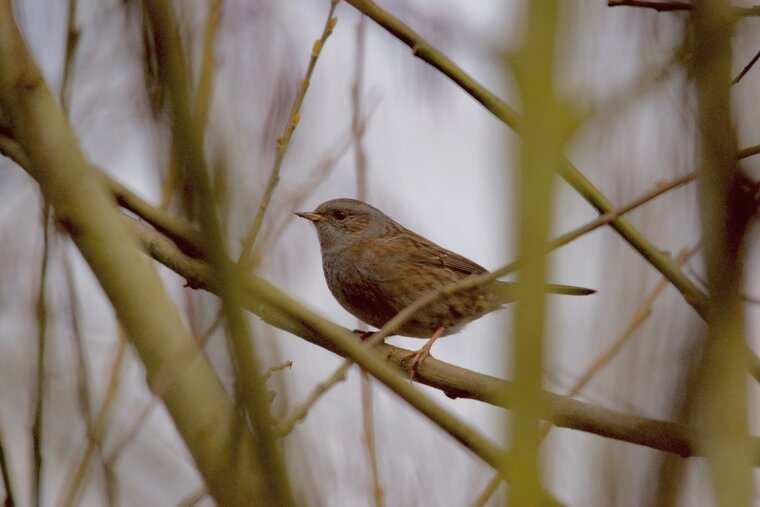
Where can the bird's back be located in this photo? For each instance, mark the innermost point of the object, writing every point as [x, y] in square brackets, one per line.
[391, 271]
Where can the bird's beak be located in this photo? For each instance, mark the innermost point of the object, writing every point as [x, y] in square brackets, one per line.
[311, 216]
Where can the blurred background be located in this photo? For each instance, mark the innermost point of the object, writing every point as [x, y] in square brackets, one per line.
[434, 160]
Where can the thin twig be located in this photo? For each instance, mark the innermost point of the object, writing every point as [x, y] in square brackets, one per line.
[197, 402]
[370, 442]
[140, 420]
[82, 365]
[95, 438]
[639, 317]
[205, 81]
[488, 491]
[193, 498]
[72, 40]
[280, 311]
[188, 239]
[42, 321]
[202, 99]
[299, 412]
[659, 188]
[83, 373]
[10, 498]
[571, 174]
[748, 151]
[299, 194]
[476, 280]
[280, 367]
[746, 69]
[284, 140]
[358, 129]
[389, 328]
[250, 394]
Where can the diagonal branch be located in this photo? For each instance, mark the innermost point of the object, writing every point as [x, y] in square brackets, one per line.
[284, 140]
[278, 310]
[423, 50]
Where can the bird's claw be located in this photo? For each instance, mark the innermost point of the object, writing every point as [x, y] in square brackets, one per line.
[417, 359]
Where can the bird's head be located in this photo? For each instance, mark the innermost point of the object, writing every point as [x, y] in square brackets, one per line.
[340, 222]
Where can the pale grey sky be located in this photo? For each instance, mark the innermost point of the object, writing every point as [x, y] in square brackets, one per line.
[438, 163]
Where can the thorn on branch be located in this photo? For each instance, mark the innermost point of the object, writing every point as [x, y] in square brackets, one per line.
[284, 366]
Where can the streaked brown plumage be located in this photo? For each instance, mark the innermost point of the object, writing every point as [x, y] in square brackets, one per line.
[375, 268]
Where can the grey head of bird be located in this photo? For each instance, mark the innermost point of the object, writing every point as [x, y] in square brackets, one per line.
[341, 222]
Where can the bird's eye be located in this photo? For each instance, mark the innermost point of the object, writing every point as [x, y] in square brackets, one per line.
[339, 215]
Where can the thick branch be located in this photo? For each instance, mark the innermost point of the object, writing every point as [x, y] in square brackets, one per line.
[194, 398]
[721, 386]
[454, 381]
[279, 310]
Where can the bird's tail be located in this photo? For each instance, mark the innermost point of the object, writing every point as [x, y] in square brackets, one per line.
[569, 290]
[508, 292]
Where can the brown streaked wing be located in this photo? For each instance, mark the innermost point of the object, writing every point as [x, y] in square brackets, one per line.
[423, 251]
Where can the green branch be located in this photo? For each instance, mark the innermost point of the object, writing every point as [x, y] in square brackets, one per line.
[284, 140]
[280, 311]
[423, 50]
[84, 206]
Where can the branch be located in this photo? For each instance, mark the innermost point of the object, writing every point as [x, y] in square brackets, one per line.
[300, 411]
[278, 310]
[421, 49]
[195, 400]
[96, 436]
[677, 6]
[547, 125]
[266, 463]
[720, 391]
[284, 140]
[41, 378]
[746, 69]
[5, 471]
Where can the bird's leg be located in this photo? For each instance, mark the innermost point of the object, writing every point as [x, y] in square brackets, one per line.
[419, 356]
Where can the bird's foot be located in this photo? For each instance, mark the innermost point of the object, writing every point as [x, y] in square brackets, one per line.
[417, 358]
[422, 354]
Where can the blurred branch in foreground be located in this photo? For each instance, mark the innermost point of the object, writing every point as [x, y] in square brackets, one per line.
[84, 206]
[721, 387]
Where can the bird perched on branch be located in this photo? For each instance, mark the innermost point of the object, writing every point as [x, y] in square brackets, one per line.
[375, 268]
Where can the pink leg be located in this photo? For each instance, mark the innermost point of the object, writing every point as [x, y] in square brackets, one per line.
[419, 356]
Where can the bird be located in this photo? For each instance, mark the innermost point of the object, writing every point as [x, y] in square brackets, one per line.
[375, 267]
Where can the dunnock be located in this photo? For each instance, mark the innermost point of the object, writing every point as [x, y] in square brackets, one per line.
[375, 268]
